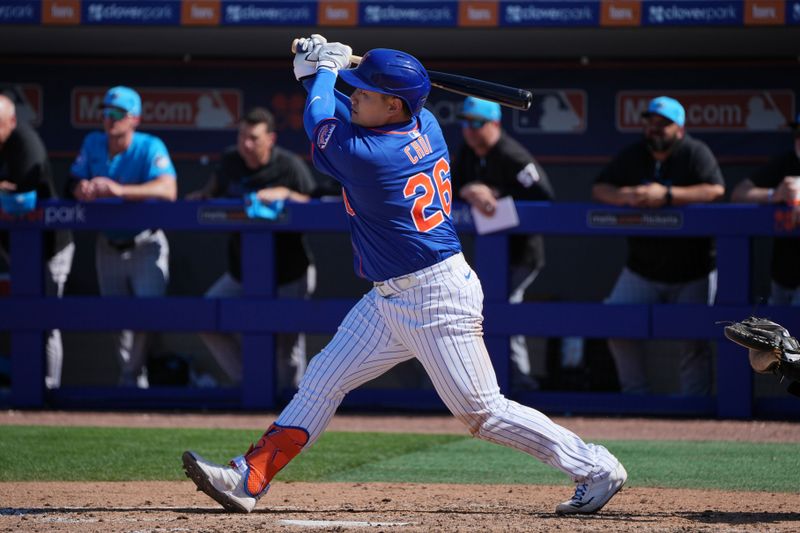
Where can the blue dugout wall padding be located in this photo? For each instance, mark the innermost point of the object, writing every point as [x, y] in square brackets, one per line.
[26, 313]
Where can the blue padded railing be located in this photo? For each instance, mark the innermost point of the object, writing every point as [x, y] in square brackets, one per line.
[259, 314]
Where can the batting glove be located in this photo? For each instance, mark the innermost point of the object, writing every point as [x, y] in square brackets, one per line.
[334, 56]
[306, 55]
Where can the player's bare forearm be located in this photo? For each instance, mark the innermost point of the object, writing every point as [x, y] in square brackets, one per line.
[746, 191]
[82, 190]
[272, 194]
[611, 194]
[162, 188]
[696, 194]
[207, 191]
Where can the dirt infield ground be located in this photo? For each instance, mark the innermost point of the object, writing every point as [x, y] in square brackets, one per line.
[176, 506]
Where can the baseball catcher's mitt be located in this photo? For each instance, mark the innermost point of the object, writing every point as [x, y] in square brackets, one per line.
[771, 349]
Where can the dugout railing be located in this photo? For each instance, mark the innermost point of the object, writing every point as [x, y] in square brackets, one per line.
[259, 314]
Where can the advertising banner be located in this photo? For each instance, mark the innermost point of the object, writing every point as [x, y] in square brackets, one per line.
[404, 13]
[408, 13]
[269, 13]
[692, 13]
[20, 12]
[549, 13]
[578, 114]
[165, 108]
[131, 12]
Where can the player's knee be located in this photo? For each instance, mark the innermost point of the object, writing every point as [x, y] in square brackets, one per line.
[478, 421]
[473, 424]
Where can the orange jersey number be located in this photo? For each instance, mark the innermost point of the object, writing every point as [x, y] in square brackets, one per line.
[430, 187]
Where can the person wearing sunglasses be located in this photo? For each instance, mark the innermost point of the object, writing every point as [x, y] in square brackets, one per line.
[778, 182]
[122, 163]
[666, 167]
[489, 165]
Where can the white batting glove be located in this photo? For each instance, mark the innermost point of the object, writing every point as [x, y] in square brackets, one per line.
[334, 56]
[306, 55]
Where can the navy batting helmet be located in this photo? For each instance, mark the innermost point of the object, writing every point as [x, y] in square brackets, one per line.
[394, 73]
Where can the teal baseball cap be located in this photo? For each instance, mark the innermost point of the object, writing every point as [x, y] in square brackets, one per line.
[123, 98]
[477, 109]
[668, 108]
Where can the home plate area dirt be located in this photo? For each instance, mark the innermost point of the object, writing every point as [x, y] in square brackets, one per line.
[176, 506]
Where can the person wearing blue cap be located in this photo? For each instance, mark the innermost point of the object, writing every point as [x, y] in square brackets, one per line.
[125, 164]
[490, 164]
[26, 178]
[778, 182]
[665, 168]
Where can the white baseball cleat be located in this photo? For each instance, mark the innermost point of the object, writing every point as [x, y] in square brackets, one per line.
[591, 496]
[223, 483]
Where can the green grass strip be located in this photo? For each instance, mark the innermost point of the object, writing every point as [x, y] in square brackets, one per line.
[45, 453]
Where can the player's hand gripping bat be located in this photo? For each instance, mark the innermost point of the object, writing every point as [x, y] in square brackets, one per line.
[502, 94]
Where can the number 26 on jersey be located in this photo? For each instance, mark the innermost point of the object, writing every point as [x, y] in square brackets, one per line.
[431, 188]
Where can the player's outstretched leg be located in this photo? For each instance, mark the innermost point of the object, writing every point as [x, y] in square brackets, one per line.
[455, 357]
[239, 485]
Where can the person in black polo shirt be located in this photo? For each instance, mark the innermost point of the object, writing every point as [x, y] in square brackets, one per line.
[257, 165]
[665, 168]
[779, 182]
[25, 170]
[490, 165]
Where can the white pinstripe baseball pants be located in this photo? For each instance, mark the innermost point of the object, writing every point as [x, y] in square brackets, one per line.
[141, 271]
[435, 314]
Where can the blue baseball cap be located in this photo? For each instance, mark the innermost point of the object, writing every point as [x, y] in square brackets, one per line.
[123, 98]
[668, 108]
[477, 109]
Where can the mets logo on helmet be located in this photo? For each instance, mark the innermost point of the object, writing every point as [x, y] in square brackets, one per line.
[324, 134]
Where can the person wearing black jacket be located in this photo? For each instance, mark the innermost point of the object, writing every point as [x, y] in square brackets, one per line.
[25, 170]
[667, 167]
[778, 182]
[489, 165]
[257, 165]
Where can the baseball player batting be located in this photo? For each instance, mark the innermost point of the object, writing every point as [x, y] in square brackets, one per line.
[391, 159]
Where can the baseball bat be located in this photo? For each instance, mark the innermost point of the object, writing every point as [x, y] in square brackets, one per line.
[464, 85]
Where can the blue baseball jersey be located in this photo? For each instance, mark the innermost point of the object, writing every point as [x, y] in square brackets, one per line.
[145, 159]
[396, 183]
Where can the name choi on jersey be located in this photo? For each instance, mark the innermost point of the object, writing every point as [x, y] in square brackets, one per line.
[418, 148]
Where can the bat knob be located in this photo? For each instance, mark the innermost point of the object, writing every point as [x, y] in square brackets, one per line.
[527, 97]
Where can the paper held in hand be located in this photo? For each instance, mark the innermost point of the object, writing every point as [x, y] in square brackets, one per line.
[504, 217]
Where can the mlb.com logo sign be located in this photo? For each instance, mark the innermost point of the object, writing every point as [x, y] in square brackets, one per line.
[722, 111]
[191, 108]
[554, 111]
